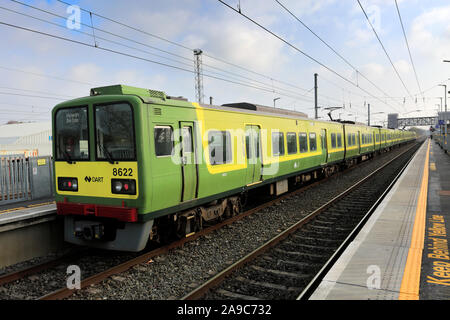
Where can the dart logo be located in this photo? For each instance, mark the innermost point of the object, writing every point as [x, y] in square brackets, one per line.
[93, 179]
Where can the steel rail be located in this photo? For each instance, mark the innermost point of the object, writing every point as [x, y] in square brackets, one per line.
[22, 273]
[314, 283]
[97, 278]
[220, 277]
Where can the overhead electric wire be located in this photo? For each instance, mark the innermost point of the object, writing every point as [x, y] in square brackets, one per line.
[268, 89]
[30, 96]
[131, 27]
[302, 52]
[407, 45]
[35, 91]
[330, 47]
[140, 58]
[267, 86]
[45, 75]
[205, 54]
[384, 49]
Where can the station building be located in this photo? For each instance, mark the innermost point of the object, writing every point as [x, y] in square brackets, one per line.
[29, 139]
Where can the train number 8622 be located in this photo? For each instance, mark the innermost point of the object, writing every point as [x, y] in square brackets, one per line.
[123, 172]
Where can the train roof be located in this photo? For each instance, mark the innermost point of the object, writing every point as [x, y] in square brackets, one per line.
[149, 96]
[264, 109]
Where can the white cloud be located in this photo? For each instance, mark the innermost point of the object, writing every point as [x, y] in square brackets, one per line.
[430, 33]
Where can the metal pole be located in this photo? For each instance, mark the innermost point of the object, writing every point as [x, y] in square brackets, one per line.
[368, 114]
[198, 75]
[445, 114]
[315, 97]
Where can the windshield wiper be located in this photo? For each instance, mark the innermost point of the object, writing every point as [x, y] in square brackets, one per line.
[66, 155]
[107, 153]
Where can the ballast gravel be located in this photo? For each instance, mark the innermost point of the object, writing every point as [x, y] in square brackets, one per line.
[175, 274]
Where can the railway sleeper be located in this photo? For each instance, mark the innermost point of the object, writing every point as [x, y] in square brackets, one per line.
[314, 240]
[289, 265]
[278, 276]
[301, 255]
[308, 247]
[268, 285]
[235, 296]
[328, 229]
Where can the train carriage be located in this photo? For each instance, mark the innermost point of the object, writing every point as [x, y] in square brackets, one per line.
[133, 164]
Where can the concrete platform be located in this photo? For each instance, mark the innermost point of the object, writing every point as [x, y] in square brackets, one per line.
[388, 259]
[29, 230]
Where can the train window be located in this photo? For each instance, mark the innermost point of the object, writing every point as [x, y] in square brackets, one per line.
[187, 139]
[163, 141]
[277, 143]
[349, 139]
[72, 136]
[312, 141]
[291, 139]
[333, 140]
[339, 140]
[353, 139]
[114, 132]
[363, 138]
[219, 143]
[303, 142]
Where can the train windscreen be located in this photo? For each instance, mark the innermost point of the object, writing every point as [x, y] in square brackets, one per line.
[114, 132]
[72, 134]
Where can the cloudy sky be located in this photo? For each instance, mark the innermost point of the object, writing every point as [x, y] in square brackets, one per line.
[241, 61]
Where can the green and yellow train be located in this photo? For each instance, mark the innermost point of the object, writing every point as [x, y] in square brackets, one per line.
[133, 164]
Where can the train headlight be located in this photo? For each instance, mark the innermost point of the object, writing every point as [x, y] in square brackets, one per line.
[67, 184]
[117, 185]
[123, 186]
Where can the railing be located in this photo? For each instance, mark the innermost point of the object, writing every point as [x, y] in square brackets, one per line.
[23, 179]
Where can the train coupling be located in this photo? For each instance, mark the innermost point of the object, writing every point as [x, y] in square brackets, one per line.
[89, 230]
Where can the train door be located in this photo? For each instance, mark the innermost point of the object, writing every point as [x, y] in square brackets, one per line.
[374, 141]
[323, 139]
[188, 161]
[252, 146]
[359, 142]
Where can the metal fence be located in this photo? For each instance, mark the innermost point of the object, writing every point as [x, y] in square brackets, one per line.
[23, 179]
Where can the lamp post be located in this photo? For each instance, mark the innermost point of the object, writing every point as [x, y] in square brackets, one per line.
[445, 104]
[445, 114]
[440, 110]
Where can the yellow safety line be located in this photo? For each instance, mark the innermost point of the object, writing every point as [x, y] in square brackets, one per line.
[27, 207]
[409, 289]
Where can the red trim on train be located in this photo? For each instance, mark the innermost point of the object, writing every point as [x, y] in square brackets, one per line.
[119, 213]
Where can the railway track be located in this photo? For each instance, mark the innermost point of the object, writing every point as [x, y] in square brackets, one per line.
[292, 264]
[119, 268]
